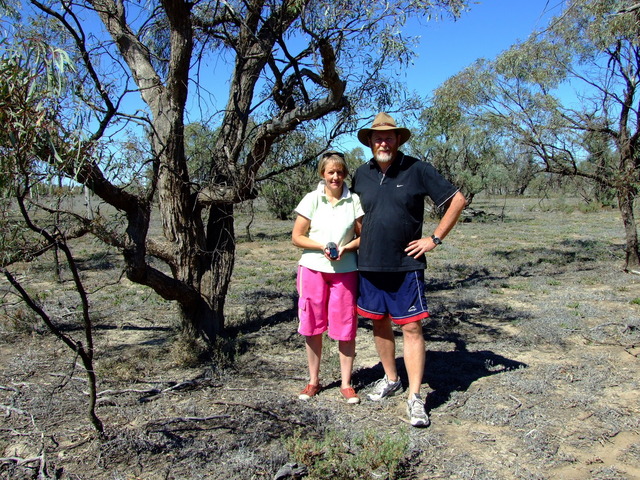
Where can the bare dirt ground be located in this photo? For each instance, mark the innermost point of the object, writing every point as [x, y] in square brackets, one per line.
[532, 367]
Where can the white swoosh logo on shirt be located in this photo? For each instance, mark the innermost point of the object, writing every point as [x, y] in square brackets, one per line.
[399, 186]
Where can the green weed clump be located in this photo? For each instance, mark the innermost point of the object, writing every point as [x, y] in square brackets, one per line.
[590, 207]
[340, 457]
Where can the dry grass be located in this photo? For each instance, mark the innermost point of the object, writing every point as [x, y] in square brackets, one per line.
[531, 372]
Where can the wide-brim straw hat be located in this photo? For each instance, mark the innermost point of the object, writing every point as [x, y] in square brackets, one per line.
[383, 122]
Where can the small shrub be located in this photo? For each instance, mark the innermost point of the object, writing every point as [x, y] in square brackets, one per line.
[339, 457]
[188, 352]
[125, 367]
[590, 207]
[23, 322]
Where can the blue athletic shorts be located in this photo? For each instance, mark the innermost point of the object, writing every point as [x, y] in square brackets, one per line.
[399, 295]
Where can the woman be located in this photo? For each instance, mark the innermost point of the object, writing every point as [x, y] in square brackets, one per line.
[327, 278]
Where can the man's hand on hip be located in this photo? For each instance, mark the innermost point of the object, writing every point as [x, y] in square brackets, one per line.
[417, 248]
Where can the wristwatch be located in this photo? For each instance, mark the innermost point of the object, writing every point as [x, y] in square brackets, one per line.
[436, 240]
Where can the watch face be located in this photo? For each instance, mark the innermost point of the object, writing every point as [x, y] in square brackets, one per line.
[436, 240]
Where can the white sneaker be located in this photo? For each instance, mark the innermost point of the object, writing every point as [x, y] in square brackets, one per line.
[415, 409]
[384, 388]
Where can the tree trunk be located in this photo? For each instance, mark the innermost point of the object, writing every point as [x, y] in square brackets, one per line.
[205, 319]
[626, 200]
[221, 242]
[200, 321]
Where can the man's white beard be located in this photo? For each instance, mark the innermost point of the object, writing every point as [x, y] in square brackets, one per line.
[383, 157]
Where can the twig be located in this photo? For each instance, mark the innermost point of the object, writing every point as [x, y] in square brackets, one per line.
[515, 409]
[12, 409]
[22, 461]
[177, 386]
[486, 437]
[62, 375]
[258, 409]
[153, 391]
[16, 433]
[609, 344]
[607, 324]
[188, 419]
[148, 391]
[160, 425]
[25, 461]
[40, 460]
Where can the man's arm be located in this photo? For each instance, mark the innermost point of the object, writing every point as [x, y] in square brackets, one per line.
[452, 210]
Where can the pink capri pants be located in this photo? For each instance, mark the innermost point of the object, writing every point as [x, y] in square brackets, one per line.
[327, 302]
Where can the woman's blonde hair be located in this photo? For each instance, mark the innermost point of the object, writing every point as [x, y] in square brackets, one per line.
[332, 157]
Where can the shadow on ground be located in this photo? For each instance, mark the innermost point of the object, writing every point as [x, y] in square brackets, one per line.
[445, 372]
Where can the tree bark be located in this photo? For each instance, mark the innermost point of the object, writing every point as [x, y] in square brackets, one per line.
[221, 241]
[208, 272]
[632, 263]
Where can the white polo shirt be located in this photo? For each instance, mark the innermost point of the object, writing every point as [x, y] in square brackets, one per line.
[330, 223]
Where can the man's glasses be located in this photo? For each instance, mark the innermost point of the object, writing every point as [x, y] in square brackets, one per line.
[387, 140]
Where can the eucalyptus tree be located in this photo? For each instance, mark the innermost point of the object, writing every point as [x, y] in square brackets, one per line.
[253, 70]
[471, 152]
[593, 50]
[463, 150]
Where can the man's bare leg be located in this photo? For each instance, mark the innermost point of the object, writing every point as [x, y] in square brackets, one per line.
[386, 346]
[414, 355]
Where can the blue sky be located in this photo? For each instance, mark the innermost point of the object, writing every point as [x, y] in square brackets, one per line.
[487, 29]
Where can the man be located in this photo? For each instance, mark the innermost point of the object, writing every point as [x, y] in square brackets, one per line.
[391, 260]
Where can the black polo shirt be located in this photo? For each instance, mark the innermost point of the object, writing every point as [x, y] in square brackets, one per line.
[393, 205]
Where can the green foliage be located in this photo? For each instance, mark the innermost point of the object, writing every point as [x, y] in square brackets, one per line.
[297, 160]
[340, 457]
[200, 147]
[535, 62]
[31, 84]
[465, 152]
[290, 172]
[590, 45]
[284, 192]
